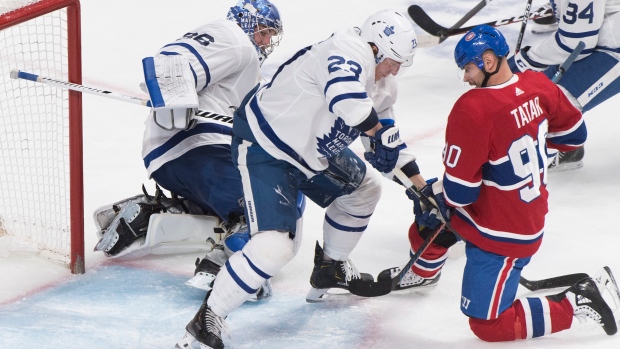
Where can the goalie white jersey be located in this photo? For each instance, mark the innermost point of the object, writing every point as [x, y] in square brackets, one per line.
[225, 67]
[307, 115]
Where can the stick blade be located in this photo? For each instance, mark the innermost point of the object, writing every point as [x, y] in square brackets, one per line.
[554, 282]
[421, 18]
[364, 288]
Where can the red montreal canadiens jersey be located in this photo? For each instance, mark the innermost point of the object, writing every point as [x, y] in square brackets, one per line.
[496, 160]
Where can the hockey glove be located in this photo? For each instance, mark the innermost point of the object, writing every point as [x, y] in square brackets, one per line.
[521, 62]
[431, 216]
[172, 91]
[385, 145]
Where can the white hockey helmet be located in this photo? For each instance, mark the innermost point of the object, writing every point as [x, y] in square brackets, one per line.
[393, 36]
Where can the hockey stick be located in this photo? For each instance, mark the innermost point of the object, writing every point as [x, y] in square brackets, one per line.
[422, 19]
[554, 282]
[426, 40]
[18, 74]
[568, 62]
[467, 17]
[526, 15]
[382, 287]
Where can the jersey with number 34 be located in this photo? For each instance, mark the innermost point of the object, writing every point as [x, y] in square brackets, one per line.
[496, 158]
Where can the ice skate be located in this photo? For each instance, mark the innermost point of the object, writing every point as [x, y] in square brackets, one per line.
[205, 328]
[566, 161]
[587, 303]
[130, 223]
[607, 284]
[544, 25]
[208, 267]
[328, 275]
[410, 280]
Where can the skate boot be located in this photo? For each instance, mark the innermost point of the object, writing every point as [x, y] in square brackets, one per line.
[588, 302]
[331, 274]
[131, 222]
[544, 25]
[410, 280]
[565, 161]
[207, 269]
[205, 328]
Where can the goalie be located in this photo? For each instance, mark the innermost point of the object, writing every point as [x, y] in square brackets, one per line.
[188, 152]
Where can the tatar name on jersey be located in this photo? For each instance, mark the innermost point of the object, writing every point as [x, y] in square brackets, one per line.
[497, 178]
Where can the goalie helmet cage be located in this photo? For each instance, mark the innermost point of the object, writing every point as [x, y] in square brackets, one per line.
[41, 166]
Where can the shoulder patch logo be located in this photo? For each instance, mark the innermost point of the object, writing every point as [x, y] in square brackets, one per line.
[518, 91]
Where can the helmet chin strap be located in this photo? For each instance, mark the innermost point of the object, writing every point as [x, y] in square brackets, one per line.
[488, 75]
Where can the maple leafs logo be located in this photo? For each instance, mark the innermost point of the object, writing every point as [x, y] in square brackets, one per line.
[339, 137]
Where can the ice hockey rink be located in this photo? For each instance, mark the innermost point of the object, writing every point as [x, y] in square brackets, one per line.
[145, 304]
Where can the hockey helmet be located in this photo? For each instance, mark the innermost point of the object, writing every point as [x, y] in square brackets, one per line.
[392, 35]
[250, 14]
[476, 41]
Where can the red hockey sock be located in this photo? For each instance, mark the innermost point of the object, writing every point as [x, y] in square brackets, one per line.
[526, 318]
[432, 260]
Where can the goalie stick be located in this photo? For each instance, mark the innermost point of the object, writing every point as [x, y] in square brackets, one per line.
[18, 74]
[423, 20]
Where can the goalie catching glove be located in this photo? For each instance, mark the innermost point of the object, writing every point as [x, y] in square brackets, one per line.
[432, 216]
[172, 91]
[385, 146]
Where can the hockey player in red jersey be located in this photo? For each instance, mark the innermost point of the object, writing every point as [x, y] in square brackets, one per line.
[494, 195]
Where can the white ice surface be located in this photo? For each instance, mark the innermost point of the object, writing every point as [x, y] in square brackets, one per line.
[144, 303]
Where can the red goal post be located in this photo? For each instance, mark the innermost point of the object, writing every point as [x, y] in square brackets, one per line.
[41, 185]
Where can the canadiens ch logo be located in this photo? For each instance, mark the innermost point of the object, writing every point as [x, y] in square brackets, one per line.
[470, 36]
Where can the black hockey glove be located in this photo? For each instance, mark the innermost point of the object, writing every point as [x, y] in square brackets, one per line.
[385, 146]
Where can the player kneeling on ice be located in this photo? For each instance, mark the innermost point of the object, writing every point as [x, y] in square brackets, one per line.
[292, 135]
[495, 179]
[187, 152]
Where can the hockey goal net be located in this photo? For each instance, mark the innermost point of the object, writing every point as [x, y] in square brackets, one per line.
[41, 190]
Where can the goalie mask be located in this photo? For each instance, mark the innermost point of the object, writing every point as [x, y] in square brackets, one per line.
[258, 17]
[391, 35]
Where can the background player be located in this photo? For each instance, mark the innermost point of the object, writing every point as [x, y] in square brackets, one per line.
[595, 76]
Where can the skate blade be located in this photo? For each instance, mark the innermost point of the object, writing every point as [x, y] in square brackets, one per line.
[203, 281]
[607, 285]
[566, 167]
[186, 342]
[107, 241]
[316, 295]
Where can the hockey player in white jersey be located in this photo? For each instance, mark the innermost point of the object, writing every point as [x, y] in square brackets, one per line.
[595, 76]
[211, 67]
[291, 135]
